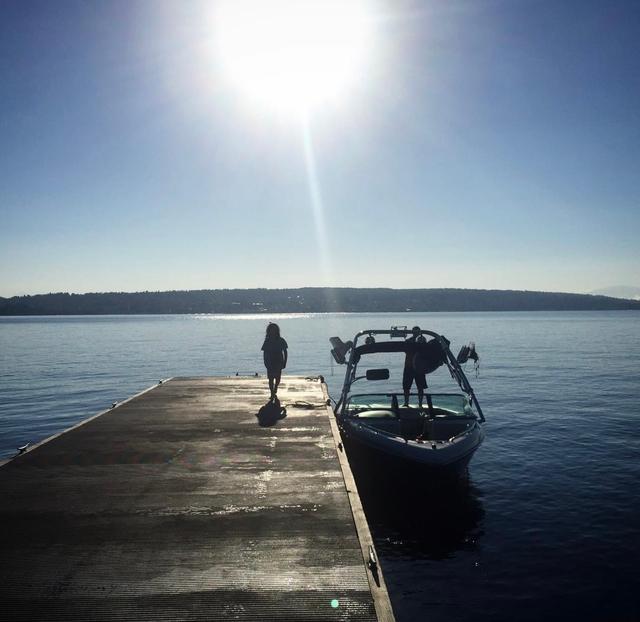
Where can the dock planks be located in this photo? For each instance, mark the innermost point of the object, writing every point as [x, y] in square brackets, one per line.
[189, 503]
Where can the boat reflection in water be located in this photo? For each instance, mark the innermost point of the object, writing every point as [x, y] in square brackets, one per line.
[419, 519]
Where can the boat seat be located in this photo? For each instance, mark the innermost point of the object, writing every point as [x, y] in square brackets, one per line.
[376, 414]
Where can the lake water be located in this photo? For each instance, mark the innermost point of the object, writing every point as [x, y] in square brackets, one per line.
[548, 525]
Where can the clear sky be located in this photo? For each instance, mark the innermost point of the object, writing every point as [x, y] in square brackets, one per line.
[488, 144]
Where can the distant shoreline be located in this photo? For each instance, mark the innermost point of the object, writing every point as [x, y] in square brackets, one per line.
[290, 314]
[306, 300]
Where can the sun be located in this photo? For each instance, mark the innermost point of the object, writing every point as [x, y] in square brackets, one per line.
[294, 56]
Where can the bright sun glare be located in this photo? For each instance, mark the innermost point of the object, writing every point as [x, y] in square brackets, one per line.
[294, 55]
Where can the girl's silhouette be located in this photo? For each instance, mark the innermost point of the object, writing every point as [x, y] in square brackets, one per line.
[274, 350]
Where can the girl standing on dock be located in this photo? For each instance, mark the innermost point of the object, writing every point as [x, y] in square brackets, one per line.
[274, 351]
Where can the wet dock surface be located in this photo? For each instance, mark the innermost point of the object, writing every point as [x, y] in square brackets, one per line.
[192, 501]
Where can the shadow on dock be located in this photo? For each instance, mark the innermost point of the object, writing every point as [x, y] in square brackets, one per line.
[271, 413]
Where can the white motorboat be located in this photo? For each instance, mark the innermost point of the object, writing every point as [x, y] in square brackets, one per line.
[439, 433]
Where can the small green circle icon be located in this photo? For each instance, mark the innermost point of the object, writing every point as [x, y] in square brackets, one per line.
[334, 603]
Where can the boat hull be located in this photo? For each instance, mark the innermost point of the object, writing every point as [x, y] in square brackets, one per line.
[382, 453]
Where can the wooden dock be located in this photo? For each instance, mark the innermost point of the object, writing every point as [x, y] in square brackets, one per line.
[190, 501]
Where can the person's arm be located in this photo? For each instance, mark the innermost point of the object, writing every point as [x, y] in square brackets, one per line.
[284, 359]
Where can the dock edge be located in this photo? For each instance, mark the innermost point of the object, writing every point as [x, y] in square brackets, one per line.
[377, 585]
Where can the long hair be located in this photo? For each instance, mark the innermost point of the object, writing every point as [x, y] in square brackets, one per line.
[273, 331]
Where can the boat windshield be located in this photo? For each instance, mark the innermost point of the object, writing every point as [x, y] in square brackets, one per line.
[450, 403]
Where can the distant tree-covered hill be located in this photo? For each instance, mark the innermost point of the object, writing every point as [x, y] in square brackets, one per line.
[305, 300]
[619, 291]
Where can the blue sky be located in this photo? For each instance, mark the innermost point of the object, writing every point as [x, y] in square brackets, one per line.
[489, 144]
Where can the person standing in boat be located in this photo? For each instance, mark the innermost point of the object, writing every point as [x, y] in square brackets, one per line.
[274, 350]
[410, 373]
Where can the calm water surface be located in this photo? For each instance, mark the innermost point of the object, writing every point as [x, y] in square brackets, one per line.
[548, 525]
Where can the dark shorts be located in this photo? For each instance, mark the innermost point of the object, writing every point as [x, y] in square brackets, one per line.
[409, 375]
[274, 372]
